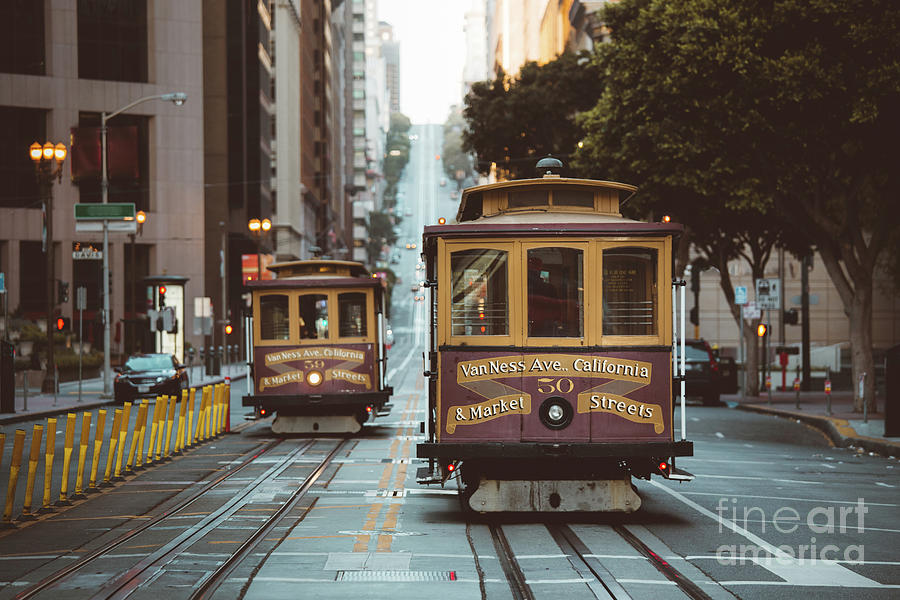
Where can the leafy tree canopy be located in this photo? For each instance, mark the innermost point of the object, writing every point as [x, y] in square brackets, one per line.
[513, 121]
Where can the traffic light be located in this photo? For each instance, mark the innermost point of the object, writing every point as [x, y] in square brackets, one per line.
[761, 330]
[62, 291]
[62, 323]
[791, 317]
[162, 296]
[695, 315]
[228, 328]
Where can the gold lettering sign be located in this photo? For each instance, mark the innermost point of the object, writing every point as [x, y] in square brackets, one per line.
[280, 379]
[350, 376]
[473, 414]
[636, 412]
[543, 365]
[312, 353]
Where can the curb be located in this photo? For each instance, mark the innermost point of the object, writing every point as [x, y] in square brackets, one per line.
[838, 431]
[89, 405]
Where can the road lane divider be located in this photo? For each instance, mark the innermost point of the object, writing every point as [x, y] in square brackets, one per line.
[83, 443]
[113, 447]
[98, 447]
[68, 447]
[170, 421]
[14, 466]
[49, 451]
[182, 414]
[171, 431]
[123, 435]
[36, 434]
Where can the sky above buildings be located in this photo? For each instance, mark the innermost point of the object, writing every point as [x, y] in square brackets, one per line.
[432, 54]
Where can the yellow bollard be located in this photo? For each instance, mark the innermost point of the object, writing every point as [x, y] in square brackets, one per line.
[198, 433]
[182, 413]
[207, 418]
[113, 444]
[142, 417]
[170, 421]
[67, 459]
[82, 453]
[123, 434]
[217, 411]
[190, 438]
[36, 434]
[49, 451]
[129, 464]
[160, 431]
[227, 425]
[220, 422]
[153, 426]
[14, 466]
[98, 447]
[2, 445]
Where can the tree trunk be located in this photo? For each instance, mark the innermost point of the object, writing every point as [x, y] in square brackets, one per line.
[748, 330]
[862, 362]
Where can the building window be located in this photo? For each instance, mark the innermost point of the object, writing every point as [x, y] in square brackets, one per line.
[19, 128]
[128, 161]
[112, 40]
[22, 37]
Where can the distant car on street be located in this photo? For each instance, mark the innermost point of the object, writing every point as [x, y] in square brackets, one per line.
[149, 375]
[443, 181]
[701, 373]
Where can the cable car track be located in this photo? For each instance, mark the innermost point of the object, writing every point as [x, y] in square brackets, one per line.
[123, 584]
[598, 578]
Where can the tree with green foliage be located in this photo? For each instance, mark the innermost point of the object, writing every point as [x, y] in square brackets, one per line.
[396, 155]
[783, 109]
[380, 228]
[514, 121]
[457, 163]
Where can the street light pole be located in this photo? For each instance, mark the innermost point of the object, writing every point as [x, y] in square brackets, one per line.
[178, 98]
[46, 173]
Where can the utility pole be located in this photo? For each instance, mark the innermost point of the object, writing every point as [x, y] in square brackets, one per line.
[805, 268]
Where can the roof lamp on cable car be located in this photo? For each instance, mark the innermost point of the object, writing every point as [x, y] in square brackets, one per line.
[314, 378]
[666, 219]
[441, 221]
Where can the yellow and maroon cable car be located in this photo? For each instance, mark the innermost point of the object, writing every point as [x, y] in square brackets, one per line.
[318, 346]
[551, 362]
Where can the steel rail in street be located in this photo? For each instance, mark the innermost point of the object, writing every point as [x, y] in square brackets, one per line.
[67, 572]
[211, 583]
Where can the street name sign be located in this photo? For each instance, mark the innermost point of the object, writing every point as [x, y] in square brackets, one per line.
[111, 211]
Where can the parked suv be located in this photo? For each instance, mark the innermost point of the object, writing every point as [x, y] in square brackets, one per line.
[701, 371]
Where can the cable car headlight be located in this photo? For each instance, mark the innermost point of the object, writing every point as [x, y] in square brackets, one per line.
[314, 378]
[556, 413]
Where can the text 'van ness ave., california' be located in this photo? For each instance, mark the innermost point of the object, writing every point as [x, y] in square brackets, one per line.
[537, 365]
[333, 353]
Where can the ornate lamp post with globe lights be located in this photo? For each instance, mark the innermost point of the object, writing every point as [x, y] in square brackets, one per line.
[48, 162]
[258, 229]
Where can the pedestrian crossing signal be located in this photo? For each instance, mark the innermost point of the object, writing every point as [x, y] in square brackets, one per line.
[62, 323]
[228, 329]
[762, 329]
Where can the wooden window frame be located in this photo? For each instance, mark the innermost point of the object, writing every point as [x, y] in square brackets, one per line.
[331, 295]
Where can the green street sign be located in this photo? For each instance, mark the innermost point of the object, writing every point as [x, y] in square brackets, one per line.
[113, 211]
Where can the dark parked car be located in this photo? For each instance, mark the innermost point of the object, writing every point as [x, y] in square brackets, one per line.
[701, 371]
[150, 375]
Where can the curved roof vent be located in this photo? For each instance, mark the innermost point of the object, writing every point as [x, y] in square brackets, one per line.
[549, 167]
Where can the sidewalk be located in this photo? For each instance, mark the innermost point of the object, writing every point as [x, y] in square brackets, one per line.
[844, 427]
[45, 405]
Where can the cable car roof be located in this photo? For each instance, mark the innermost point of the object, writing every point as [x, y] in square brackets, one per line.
[550, 193]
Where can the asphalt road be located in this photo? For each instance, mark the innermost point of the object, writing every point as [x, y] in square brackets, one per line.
[774, 511]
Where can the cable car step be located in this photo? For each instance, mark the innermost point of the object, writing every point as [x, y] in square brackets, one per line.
[425, 476]
[678, 474]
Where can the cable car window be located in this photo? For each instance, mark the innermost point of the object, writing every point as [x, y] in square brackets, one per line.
[629, 291]
[480, 300]
[352, 314]
[570, 197]
[274, 317]
[313, 317]
[555, 292]
[518, 199]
